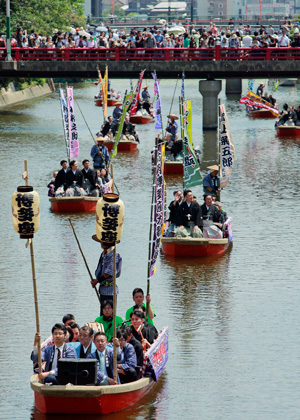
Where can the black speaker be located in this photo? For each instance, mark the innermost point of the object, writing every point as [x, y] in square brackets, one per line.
[77, 371]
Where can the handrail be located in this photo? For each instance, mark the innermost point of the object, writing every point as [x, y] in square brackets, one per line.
[152, 54]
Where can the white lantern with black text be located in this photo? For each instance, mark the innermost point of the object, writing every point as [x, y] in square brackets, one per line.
[26, 211]
[109, 218]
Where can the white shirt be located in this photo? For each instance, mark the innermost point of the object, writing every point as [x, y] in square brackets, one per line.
[54, 362]
[247, 41]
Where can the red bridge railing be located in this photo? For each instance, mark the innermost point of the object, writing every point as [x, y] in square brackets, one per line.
[152, 54]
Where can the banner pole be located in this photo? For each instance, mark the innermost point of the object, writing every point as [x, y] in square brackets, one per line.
[150, 247]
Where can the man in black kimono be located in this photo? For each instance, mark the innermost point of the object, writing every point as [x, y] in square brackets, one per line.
[88, 176]
[61, 179]
[74, 181]
[189, 217]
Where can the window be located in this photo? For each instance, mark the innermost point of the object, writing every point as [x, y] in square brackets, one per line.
[220, 13]
[220, 6]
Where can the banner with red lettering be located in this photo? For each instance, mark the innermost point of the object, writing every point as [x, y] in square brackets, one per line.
[251, 100]
[137, 94]
[156, 356]
[73, 135]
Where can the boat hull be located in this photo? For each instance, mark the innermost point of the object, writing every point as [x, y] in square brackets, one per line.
[64, 399]
[194, 247]
[288, 131]
[110, 102]
[123, 146]
[141, 119]
[73, 204]
[261, 113]
[173, 167]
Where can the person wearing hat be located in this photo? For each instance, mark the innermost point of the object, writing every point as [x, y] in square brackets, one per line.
[260, 89]
[211, 181]
[296, 39]
[99, 154]
[172, 126]
[117, 112]
[233, 41]
[145, 94]
[104, 271]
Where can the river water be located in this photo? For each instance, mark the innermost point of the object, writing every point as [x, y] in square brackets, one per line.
[233, 321]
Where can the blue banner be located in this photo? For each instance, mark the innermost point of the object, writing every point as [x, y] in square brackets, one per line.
[158, 103]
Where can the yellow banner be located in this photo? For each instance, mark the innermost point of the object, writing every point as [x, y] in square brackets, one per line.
[106, 89]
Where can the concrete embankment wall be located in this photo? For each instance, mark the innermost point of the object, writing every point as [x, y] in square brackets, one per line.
[12, 97]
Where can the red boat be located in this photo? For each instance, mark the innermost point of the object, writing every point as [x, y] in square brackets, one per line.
[261, 113]
[64, 399]
[78, 399]
[141, 119]
[73, 204]
[288, 130]
[194, 247]
[173, 167]
[110, 102]
[123, 146]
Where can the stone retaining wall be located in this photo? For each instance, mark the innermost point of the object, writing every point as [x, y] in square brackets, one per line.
[12, 97]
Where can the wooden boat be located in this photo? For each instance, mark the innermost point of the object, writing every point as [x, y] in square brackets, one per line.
[194, 247]
[110, 102]
[78, 399]
[173, 167]
[74, 399]
[73, 204]
[141, 119]
[288, 130]
[123, 146]
[261, 113]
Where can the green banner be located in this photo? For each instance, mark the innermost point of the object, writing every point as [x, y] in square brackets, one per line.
[127, 102]
[191, 175]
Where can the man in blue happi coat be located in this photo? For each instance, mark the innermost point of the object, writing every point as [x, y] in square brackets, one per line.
[99, 154]
[104, 272]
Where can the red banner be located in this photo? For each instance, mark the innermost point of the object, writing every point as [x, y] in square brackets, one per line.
[137, 94]
[251, 103]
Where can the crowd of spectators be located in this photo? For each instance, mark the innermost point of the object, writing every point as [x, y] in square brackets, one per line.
[234, 35]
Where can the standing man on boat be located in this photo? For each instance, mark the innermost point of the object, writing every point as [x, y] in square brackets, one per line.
[105, 366]
[52, 354]
[99, 154]
[104, 272]
[211, 181]
[117, 113]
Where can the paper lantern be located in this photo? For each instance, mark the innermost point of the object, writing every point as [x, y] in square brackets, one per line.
[109, 218]
[26, 211]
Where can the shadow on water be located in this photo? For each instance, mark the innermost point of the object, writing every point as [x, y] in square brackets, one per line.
[147, 408]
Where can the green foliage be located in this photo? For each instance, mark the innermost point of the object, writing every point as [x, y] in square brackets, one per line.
[21, 84]
[132, 14]
[43, 16]
[119, 11]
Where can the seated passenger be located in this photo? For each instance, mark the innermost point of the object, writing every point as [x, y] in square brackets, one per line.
[128, 363]
[74, 181]
[138, 298]
[137, 346]
[211, 219]
[85, 346]
[51, 185]
[223, 216]
[128, 132]
[142, 334]
[211, 181]
[88, 177]
[105, 366]
[75, 328]
[107, 319]
[52, 354]
[290, 122]
[173, 207]
[69, 335]
[189, 217]
[60, 184]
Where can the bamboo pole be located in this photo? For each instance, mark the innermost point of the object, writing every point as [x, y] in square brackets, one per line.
[36, 303]
[114, 295]
[150, 248]
[84, 259]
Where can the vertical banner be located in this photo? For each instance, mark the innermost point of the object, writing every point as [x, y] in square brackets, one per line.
[226, 149]
[64, 109]
[182, 87]
[189, 121]
[104, 102]
[158, 103]
[158, 213]
[105, 91]
[137, 94]
[73, 135]
[127, 103]
[156, 356]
